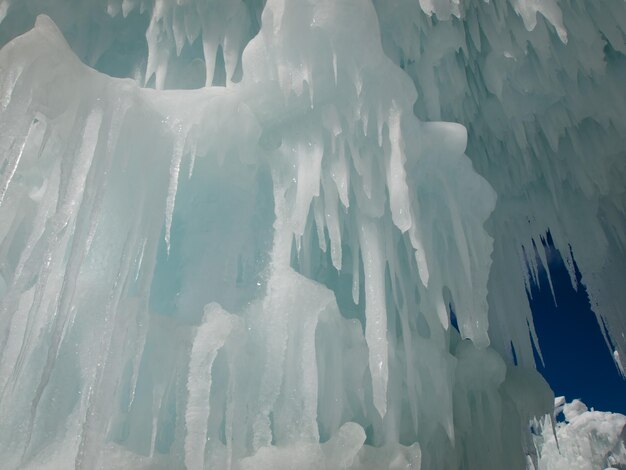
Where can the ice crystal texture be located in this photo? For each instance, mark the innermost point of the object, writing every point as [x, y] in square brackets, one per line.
[237, 234]
[584, 441]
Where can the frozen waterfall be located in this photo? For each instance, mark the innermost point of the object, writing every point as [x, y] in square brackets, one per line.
[300, 234]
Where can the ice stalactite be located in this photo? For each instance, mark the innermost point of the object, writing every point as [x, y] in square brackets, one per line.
[539, 86]
[262, 274]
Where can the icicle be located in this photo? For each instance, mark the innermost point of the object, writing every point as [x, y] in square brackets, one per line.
[318, 208]
[340, 174]
[396, 175]
[178, 28]
[356, 269]
[375, 311]
[442, 313]
[459, 236]
[216, 327]
[193, 26]
[4, 8]
[209, 48]
[415, 237]
[332, 221]
[177, 156]
[309, 156]
[128, 6]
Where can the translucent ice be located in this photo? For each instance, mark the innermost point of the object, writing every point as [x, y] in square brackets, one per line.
[237, 234]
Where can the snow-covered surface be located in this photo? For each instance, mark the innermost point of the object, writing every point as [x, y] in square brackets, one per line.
[585, 440]
[231, 232]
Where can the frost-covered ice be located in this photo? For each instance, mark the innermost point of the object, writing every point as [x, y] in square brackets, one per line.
[232, 233]
[586, 440]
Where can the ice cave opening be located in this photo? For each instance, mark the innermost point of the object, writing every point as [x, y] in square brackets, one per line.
[574, 358]
[301, 234]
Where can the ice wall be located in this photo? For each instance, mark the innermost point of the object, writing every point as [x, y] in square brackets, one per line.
[540, 88]
[227, 241]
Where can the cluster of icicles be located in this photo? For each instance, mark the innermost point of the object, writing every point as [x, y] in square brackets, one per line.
[258, 275]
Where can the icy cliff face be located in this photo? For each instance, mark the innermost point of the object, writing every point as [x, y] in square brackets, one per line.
[539, 86]
[227, 241]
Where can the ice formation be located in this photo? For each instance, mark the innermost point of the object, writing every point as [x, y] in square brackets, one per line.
[237, 234]
[586, 440]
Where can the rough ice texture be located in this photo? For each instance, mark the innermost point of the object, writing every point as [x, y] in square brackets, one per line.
[232, 233]
[585, 440]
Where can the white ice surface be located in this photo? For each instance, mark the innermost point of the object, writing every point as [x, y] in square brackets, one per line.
[227, 241]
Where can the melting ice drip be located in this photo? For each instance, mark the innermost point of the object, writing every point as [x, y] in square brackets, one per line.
[256, 275]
